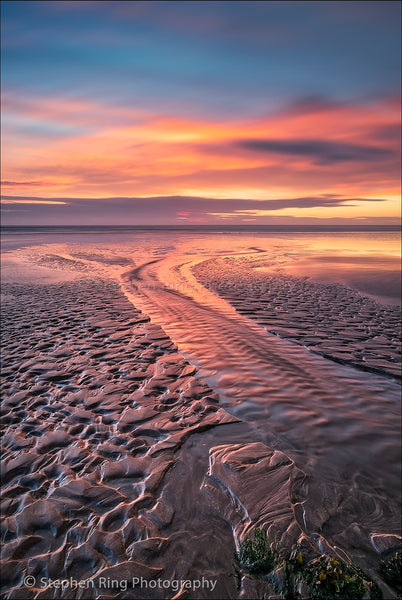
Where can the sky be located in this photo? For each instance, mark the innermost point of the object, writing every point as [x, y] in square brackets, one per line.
[187, 113]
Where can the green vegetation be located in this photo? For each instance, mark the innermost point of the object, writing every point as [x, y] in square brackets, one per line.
[329, 578]
[324, 578]
[391, 571]
[257, 555]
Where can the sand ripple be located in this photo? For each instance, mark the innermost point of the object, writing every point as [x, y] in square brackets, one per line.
[120, 461]
[97, 403]
[329, 319]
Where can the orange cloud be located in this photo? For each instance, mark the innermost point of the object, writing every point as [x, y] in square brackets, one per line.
[32, 201]
[78, 148]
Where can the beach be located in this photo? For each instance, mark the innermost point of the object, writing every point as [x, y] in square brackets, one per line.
[165, 394]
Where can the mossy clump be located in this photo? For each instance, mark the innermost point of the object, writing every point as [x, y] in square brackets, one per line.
[391, 571]
[257, 555]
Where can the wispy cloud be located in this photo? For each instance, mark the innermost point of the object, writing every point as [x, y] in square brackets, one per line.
[200, 110]
[172, 207]
[22, 183]
[30, 201]
[310, 147]
[185, 210]
[320, 151]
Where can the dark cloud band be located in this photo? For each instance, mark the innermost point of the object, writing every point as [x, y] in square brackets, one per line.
[322, 152]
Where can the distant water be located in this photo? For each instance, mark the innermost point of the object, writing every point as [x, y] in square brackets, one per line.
[365, 259]
[16, 236]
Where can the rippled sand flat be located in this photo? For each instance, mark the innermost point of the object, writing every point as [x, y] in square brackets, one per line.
[328, 318]
[97, 403]
[120, 460]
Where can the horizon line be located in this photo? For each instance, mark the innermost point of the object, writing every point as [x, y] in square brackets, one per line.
[215, 227]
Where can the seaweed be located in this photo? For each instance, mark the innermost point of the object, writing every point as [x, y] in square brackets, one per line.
[257, 555]
[323, 578]
[391, 571]
[329, 579]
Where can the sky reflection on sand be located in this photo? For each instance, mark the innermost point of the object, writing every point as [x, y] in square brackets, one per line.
[368, 262]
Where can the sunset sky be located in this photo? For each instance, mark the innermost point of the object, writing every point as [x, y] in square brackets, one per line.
[201, 112]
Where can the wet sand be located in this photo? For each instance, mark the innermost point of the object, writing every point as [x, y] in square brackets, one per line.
[316, 311]
[120, 460]
[97, 405]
